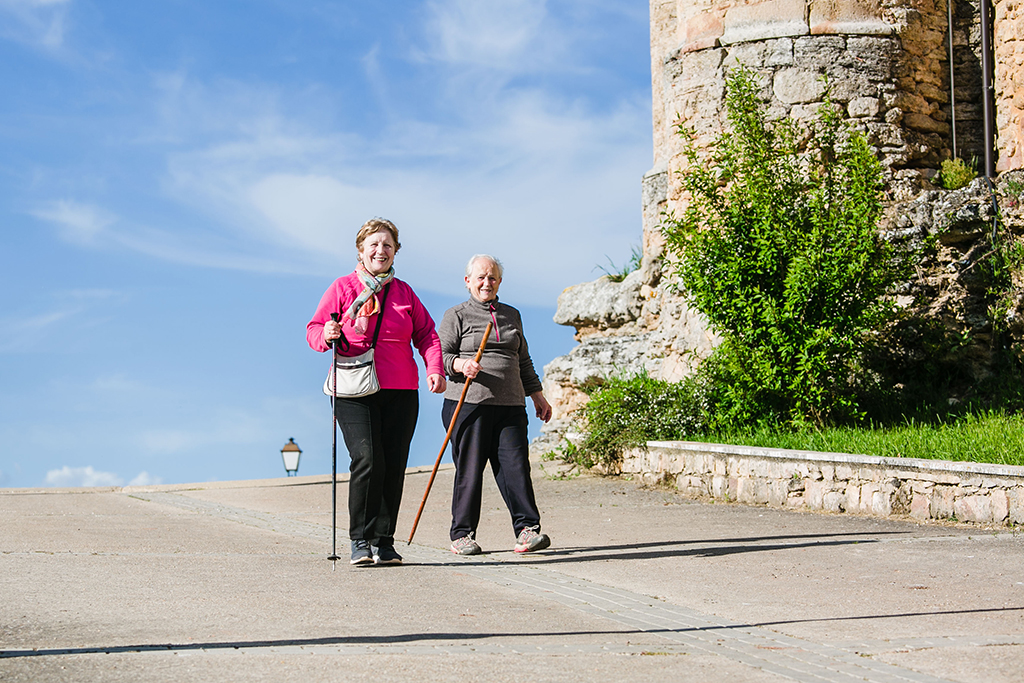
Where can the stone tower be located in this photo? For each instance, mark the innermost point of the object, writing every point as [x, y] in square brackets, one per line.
[887, 63]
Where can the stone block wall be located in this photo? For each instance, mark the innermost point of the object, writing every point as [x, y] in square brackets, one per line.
[1008, 43]
[886, 60]
[886, 63]
[835, 482]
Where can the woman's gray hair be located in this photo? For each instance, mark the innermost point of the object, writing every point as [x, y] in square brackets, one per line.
[484, 257]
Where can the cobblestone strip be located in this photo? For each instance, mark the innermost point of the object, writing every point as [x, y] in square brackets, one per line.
[794, 658]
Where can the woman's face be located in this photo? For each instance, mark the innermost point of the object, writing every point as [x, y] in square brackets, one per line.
[483, 280]
[378, 252]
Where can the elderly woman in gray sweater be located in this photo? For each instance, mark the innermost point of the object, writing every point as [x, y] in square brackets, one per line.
[492, 424]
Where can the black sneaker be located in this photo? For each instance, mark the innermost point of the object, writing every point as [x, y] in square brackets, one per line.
[386, 554]
[361, 553]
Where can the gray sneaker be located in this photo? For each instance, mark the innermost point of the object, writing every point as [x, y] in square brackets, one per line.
[361, 553]
[465, 546]
[530, 539]
[386, 554]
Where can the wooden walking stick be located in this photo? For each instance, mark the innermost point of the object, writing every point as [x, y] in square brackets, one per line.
[448, 436]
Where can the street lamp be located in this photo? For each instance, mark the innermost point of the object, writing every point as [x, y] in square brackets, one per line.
[290, 454]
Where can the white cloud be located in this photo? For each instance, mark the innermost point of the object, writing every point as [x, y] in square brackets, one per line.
[506, 36]
[67, 477]
[525, 175]
[145, 479]
[549, 183]
[36, 22]
[77, 222]
[25, 332]
[81, 476]
[92, 226]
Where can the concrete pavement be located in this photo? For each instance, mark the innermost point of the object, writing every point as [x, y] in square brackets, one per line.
[230, 582]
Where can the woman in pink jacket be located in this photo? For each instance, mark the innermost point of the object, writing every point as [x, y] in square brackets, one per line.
[378, 428]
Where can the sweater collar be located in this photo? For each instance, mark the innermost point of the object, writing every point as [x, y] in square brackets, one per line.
[484, 305]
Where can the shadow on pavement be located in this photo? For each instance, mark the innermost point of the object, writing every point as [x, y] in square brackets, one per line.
[725, 547]
[443, 637]
[868, 617]
[296, 642]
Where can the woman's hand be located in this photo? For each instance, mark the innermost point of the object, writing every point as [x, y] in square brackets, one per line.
[468, 367]
[436, 384]
[541, 405]
[332, 331]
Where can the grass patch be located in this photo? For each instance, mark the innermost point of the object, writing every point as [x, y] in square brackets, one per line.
[617, 274]
[991, 437]
[628, 411]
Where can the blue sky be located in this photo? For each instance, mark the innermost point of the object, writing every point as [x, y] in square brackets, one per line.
[181, 180]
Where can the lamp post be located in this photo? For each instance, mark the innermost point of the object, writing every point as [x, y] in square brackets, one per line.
[290, 454]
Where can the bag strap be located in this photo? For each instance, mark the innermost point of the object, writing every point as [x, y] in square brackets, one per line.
[380, 316]
[345, 345]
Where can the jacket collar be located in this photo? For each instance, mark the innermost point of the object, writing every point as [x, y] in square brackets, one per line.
[485, 305]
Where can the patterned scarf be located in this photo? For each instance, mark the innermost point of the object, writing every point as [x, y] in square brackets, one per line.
[366, 304]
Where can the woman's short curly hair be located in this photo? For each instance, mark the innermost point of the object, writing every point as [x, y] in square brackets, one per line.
[373, 226]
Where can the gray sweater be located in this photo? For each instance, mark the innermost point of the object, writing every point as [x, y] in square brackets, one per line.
[506, 374]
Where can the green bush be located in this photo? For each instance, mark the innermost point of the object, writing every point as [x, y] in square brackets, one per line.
[624, 412]
[779, 248]
[957, 173]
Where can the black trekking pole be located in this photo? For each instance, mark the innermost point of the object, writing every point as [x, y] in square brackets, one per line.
[334, 454]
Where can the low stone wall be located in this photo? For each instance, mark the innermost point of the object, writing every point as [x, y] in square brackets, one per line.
[835, 482]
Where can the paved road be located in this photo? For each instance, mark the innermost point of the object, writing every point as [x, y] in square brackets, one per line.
[230, 582]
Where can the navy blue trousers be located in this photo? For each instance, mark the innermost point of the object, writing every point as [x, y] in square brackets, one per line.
[377, 429]
[496, 435]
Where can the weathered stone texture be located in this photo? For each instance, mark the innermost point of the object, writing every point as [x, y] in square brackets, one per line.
[835, 482]
[853, 17]
[601, 304]
[1009, 83]
[764, 20]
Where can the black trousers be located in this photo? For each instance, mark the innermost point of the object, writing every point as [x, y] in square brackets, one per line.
[377, 429]
[498, 435]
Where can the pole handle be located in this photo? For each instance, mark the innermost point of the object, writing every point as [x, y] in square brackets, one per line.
[334, 317]
[448, 435]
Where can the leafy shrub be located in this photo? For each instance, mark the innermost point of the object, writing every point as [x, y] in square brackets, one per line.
[957, 173]
[779, 248]
[624, 412]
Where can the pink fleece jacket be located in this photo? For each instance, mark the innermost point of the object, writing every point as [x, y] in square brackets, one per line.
[405, 320]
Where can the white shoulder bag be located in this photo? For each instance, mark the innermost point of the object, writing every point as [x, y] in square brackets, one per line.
[355, 376]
